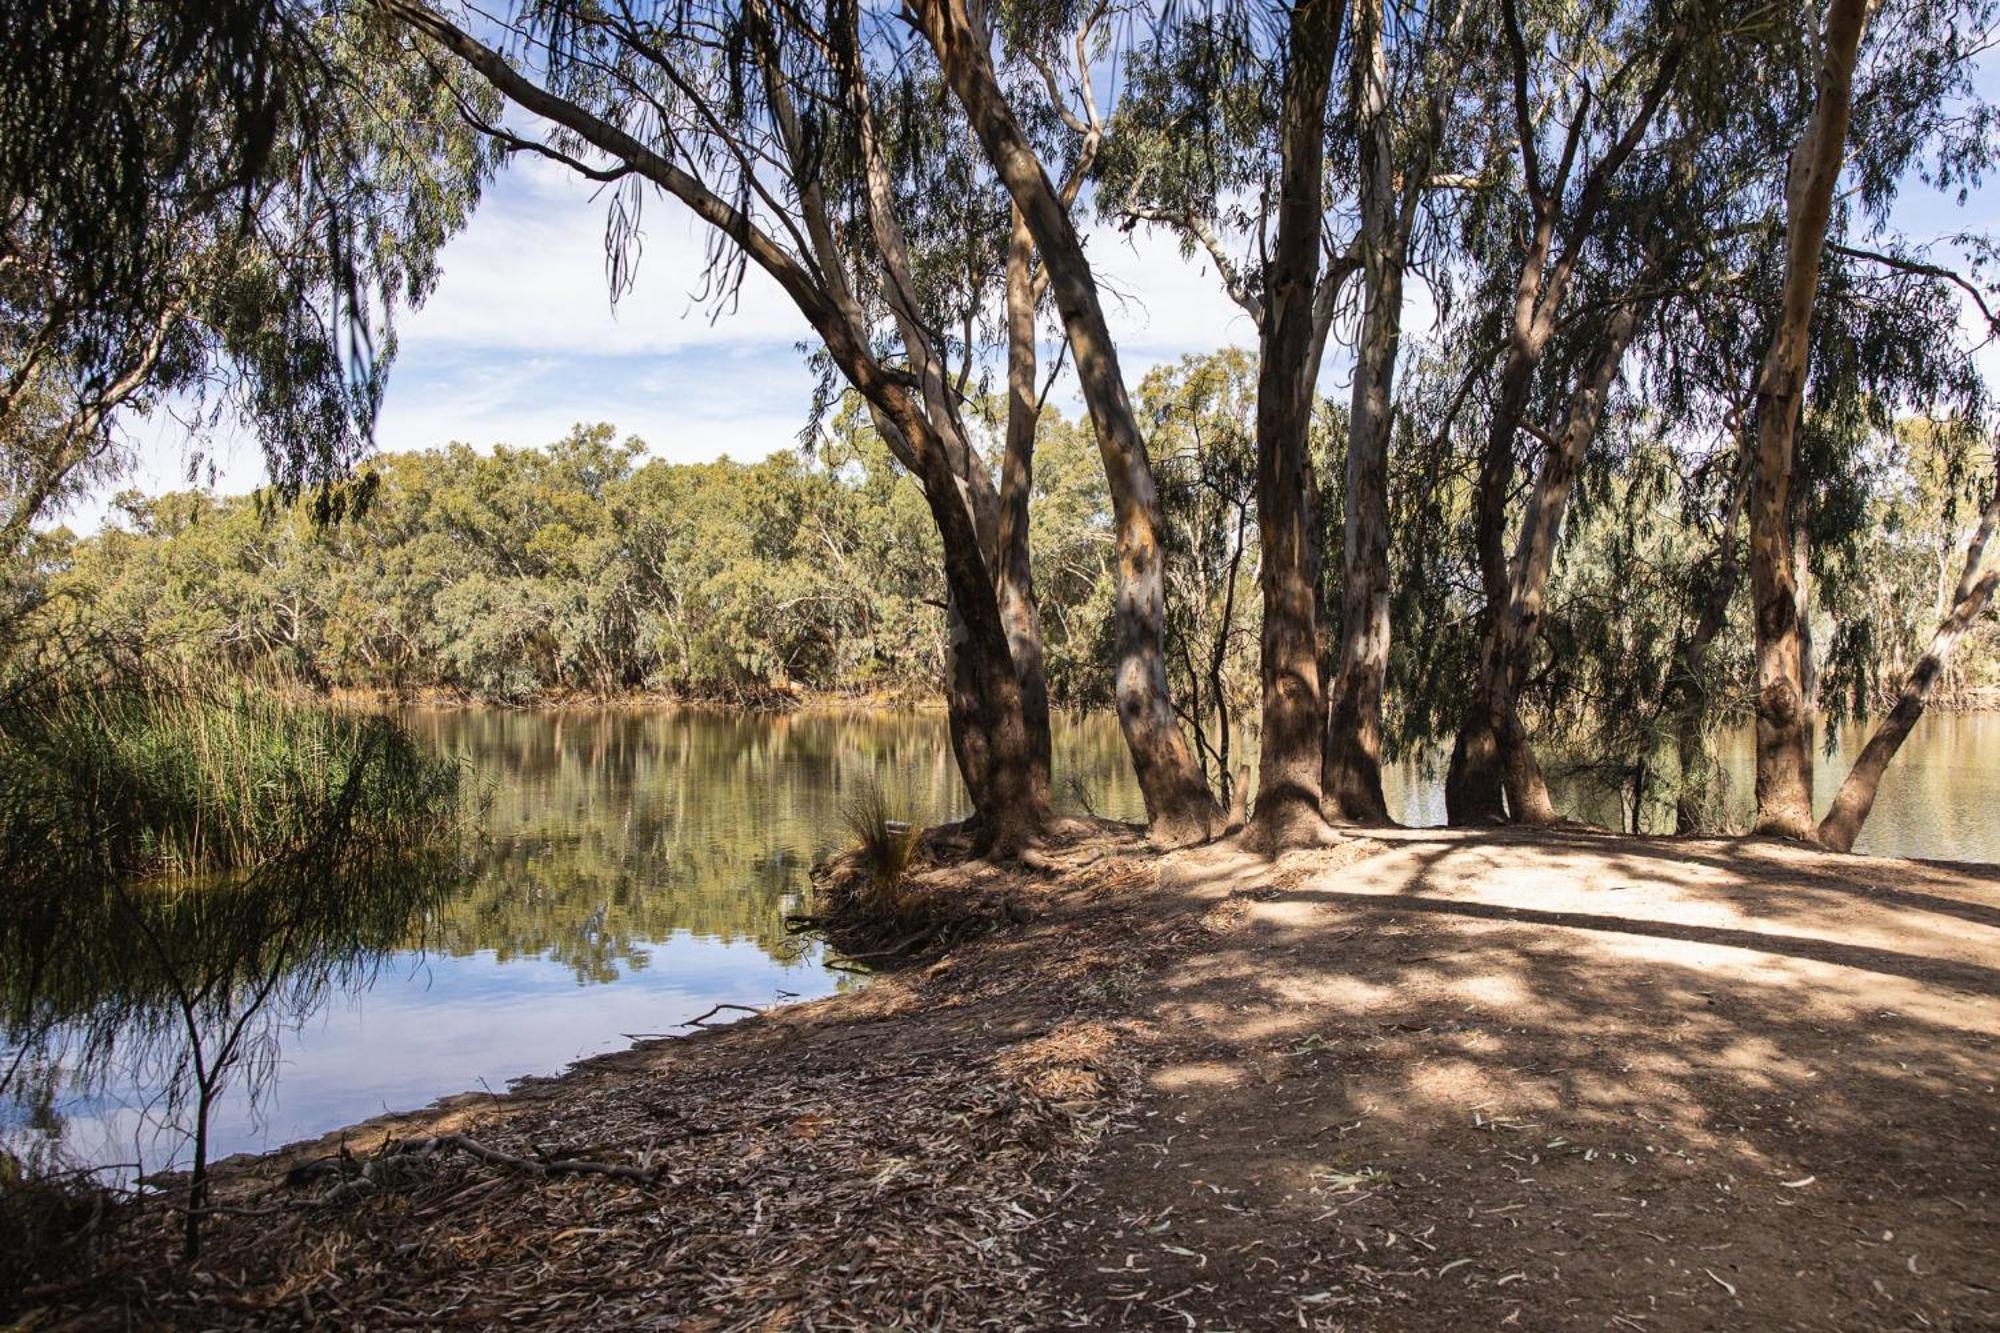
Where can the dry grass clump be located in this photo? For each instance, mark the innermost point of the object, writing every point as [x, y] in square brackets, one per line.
[887, 897]
[884, 850]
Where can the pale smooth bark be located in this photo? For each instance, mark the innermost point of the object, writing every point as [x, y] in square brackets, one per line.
[1351, 774]
[1179, 805]
[1288, 784]
[1976, 582]
[1784, 759]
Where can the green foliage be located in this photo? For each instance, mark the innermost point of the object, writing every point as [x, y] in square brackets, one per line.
[225, 203]
[525, 573]
[151, 776]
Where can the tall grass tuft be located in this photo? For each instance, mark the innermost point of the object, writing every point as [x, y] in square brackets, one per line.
[884, 849]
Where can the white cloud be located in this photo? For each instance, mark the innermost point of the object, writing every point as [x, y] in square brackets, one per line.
[528, 276]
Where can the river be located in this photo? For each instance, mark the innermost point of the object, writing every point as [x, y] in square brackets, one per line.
[634, 871]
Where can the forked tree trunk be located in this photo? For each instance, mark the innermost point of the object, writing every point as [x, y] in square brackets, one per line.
[1351, 777]
[1534, 558]
[1011, 815]
[1480, 773]
[1179, 805]
[1856, 796]
[973, 745]
[1018, 610]
[1288, 782]
[1784, 761]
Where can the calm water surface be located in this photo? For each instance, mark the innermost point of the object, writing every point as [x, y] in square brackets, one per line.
[637, 868]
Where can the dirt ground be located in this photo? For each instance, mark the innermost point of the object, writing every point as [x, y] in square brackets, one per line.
[1426, 1080]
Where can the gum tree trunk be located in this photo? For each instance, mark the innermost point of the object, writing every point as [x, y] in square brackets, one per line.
[996, 746]
[1351, 778]
[1534, 558]
[1179, 805]
[1784, 761]
[1288, 785]
[1856, 796]
[1018, 609]
[1478, 780]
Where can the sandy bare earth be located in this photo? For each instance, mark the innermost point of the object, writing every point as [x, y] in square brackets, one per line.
[1426, 1080]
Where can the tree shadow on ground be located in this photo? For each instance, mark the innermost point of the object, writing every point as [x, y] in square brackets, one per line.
[1559, 1080]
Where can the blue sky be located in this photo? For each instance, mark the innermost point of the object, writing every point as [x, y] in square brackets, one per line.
[519, 342]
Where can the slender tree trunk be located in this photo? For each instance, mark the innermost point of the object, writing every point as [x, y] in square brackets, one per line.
[1018, 608]
[1478, 777]
[1534, 558]
[1179, 804]
[1352, 773]
[1474, 786]
[968, 669]
[1288, 783]
[1784, 761]
[1856, 796]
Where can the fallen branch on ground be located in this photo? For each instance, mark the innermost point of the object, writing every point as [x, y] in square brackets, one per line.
[701, 1019]
[562, 1166]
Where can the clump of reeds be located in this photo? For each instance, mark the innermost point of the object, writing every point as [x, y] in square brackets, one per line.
[145, 774]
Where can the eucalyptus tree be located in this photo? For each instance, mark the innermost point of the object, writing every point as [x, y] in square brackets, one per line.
[1969, 598]
[1290, 342]
[1901, 80]
[1784, 760]
[1586, 90]
[1202, 151]
[216, 206]
[764, 123]
[1224, 144]
[1179, 804]
[1406, 82]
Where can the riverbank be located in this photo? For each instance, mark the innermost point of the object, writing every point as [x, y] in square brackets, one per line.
[1429, 1079]
[750, 700]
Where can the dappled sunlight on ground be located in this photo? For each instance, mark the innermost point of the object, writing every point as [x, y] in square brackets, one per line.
[1542, 1079]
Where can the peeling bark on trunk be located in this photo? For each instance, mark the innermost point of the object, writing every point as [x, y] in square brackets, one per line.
[1784, 761]
[1179, 805]
[1351, 776]
[1288, 783]
[1856, 796]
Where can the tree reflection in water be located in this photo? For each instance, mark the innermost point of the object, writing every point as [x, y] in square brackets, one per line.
[182, 988]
